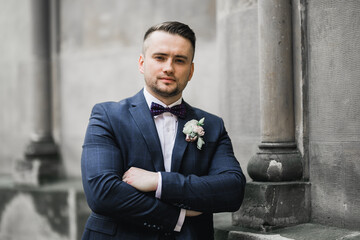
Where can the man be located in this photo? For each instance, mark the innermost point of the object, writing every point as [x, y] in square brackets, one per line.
[143, 177]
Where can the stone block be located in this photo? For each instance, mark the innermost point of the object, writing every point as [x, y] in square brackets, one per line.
[276, 162]
[335, 176]
[224, 230]
[271, 205]
[56, 212]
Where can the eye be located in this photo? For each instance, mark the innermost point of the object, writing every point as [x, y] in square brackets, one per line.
[159, 58]
[179, 60]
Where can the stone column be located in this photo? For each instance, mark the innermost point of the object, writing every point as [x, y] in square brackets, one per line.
[41, 161]
[273, 199]
[278, 158]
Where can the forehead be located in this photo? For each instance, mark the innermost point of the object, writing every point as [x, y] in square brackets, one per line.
[163, 42]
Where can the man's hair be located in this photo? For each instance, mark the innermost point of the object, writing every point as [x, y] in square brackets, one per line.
[177, 28]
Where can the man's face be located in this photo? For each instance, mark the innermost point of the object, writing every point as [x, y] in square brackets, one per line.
[167, 65]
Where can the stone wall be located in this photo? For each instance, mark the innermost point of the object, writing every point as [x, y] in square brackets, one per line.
[17, 72]
[237, 39]
[326, 75]
[334, 112]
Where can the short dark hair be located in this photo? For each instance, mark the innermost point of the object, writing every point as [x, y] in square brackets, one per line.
[174, 27]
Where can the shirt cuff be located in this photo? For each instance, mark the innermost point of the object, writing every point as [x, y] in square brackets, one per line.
[158, 189]
[180, 221]
[182, 214]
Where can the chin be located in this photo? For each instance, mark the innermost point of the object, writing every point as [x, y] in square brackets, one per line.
[171, 93]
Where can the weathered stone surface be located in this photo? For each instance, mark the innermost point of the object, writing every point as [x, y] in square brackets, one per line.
[269, 206]
[22, 219]
[335, 189]
[275, 164]
[307, 231]
[281, 162]
[37, 171]
[334, 112]
[40, 164]
[56, 212]
[17, 64]
[276, 71]
[237, 42]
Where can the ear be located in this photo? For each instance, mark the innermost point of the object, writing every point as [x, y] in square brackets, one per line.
[141, 63]
[191, 71]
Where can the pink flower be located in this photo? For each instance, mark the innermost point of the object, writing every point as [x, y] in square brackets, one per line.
[199, 130]
[190, 139]
[194, 131]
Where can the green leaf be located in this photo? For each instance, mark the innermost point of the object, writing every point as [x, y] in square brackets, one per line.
[201, 122]
[200, 142]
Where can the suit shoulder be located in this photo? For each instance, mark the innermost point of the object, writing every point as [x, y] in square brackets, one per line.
[122, 104]
[208, 116]
[201, 112]
[111, 106]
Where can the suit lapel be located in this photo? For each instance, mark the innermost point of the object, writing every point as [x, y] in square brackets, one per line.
[142, 116]
[180, 143]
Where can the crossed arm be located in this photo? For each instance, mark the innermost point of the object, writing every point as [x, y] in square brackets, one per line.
[147, 181]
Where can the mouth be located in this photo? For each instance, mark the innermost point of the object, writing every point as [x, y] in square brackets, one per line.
[167, 79]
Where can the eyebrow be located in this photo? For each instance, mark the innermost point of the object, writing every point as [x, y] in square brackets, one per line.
[177, 56]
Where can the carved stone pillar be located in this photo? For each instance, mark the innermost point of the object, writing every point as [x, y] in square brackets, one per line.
[273, 199]
[278, 158]
[41, 161]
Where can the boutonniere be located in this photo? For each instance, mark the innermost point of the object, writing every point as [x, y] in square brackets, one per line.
[194, 131]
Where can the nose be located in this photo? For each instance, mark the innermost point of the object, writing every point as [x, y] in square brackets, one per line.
[168, 67]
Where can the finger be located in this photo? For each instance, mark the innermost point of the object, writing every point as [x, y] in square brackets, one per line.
[125, 176]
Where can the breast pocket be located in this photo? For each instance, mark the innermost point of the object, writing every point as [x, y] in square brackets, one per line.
[198, 161]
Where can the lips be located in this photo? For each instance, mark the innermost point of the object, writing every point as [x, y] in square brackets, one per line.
[166, 79]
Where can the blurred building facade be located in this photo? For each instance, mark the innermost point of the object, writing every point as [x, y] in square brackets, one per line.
[59, 58]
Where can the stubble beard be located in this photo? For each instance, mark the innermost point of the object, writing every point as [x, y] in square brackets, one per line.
[166, 94]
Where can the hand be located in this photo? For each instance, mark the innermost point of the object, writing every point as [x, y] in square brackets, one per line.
[142, 180]
[191, 213]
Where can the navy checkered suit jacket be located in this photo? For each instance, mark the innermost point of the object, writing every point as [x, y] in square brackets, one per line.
[123, 134]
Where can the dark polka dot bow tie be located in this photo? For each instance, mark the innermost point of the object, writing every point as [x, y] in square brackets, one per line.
[178, 110]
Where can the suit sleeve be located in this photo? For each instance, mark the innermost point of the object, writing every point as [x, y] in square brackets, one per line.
[102, 169]
[221, 190]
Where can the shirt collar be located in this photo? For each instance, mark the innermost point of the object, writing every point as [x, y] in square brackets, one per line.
[150, 98]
